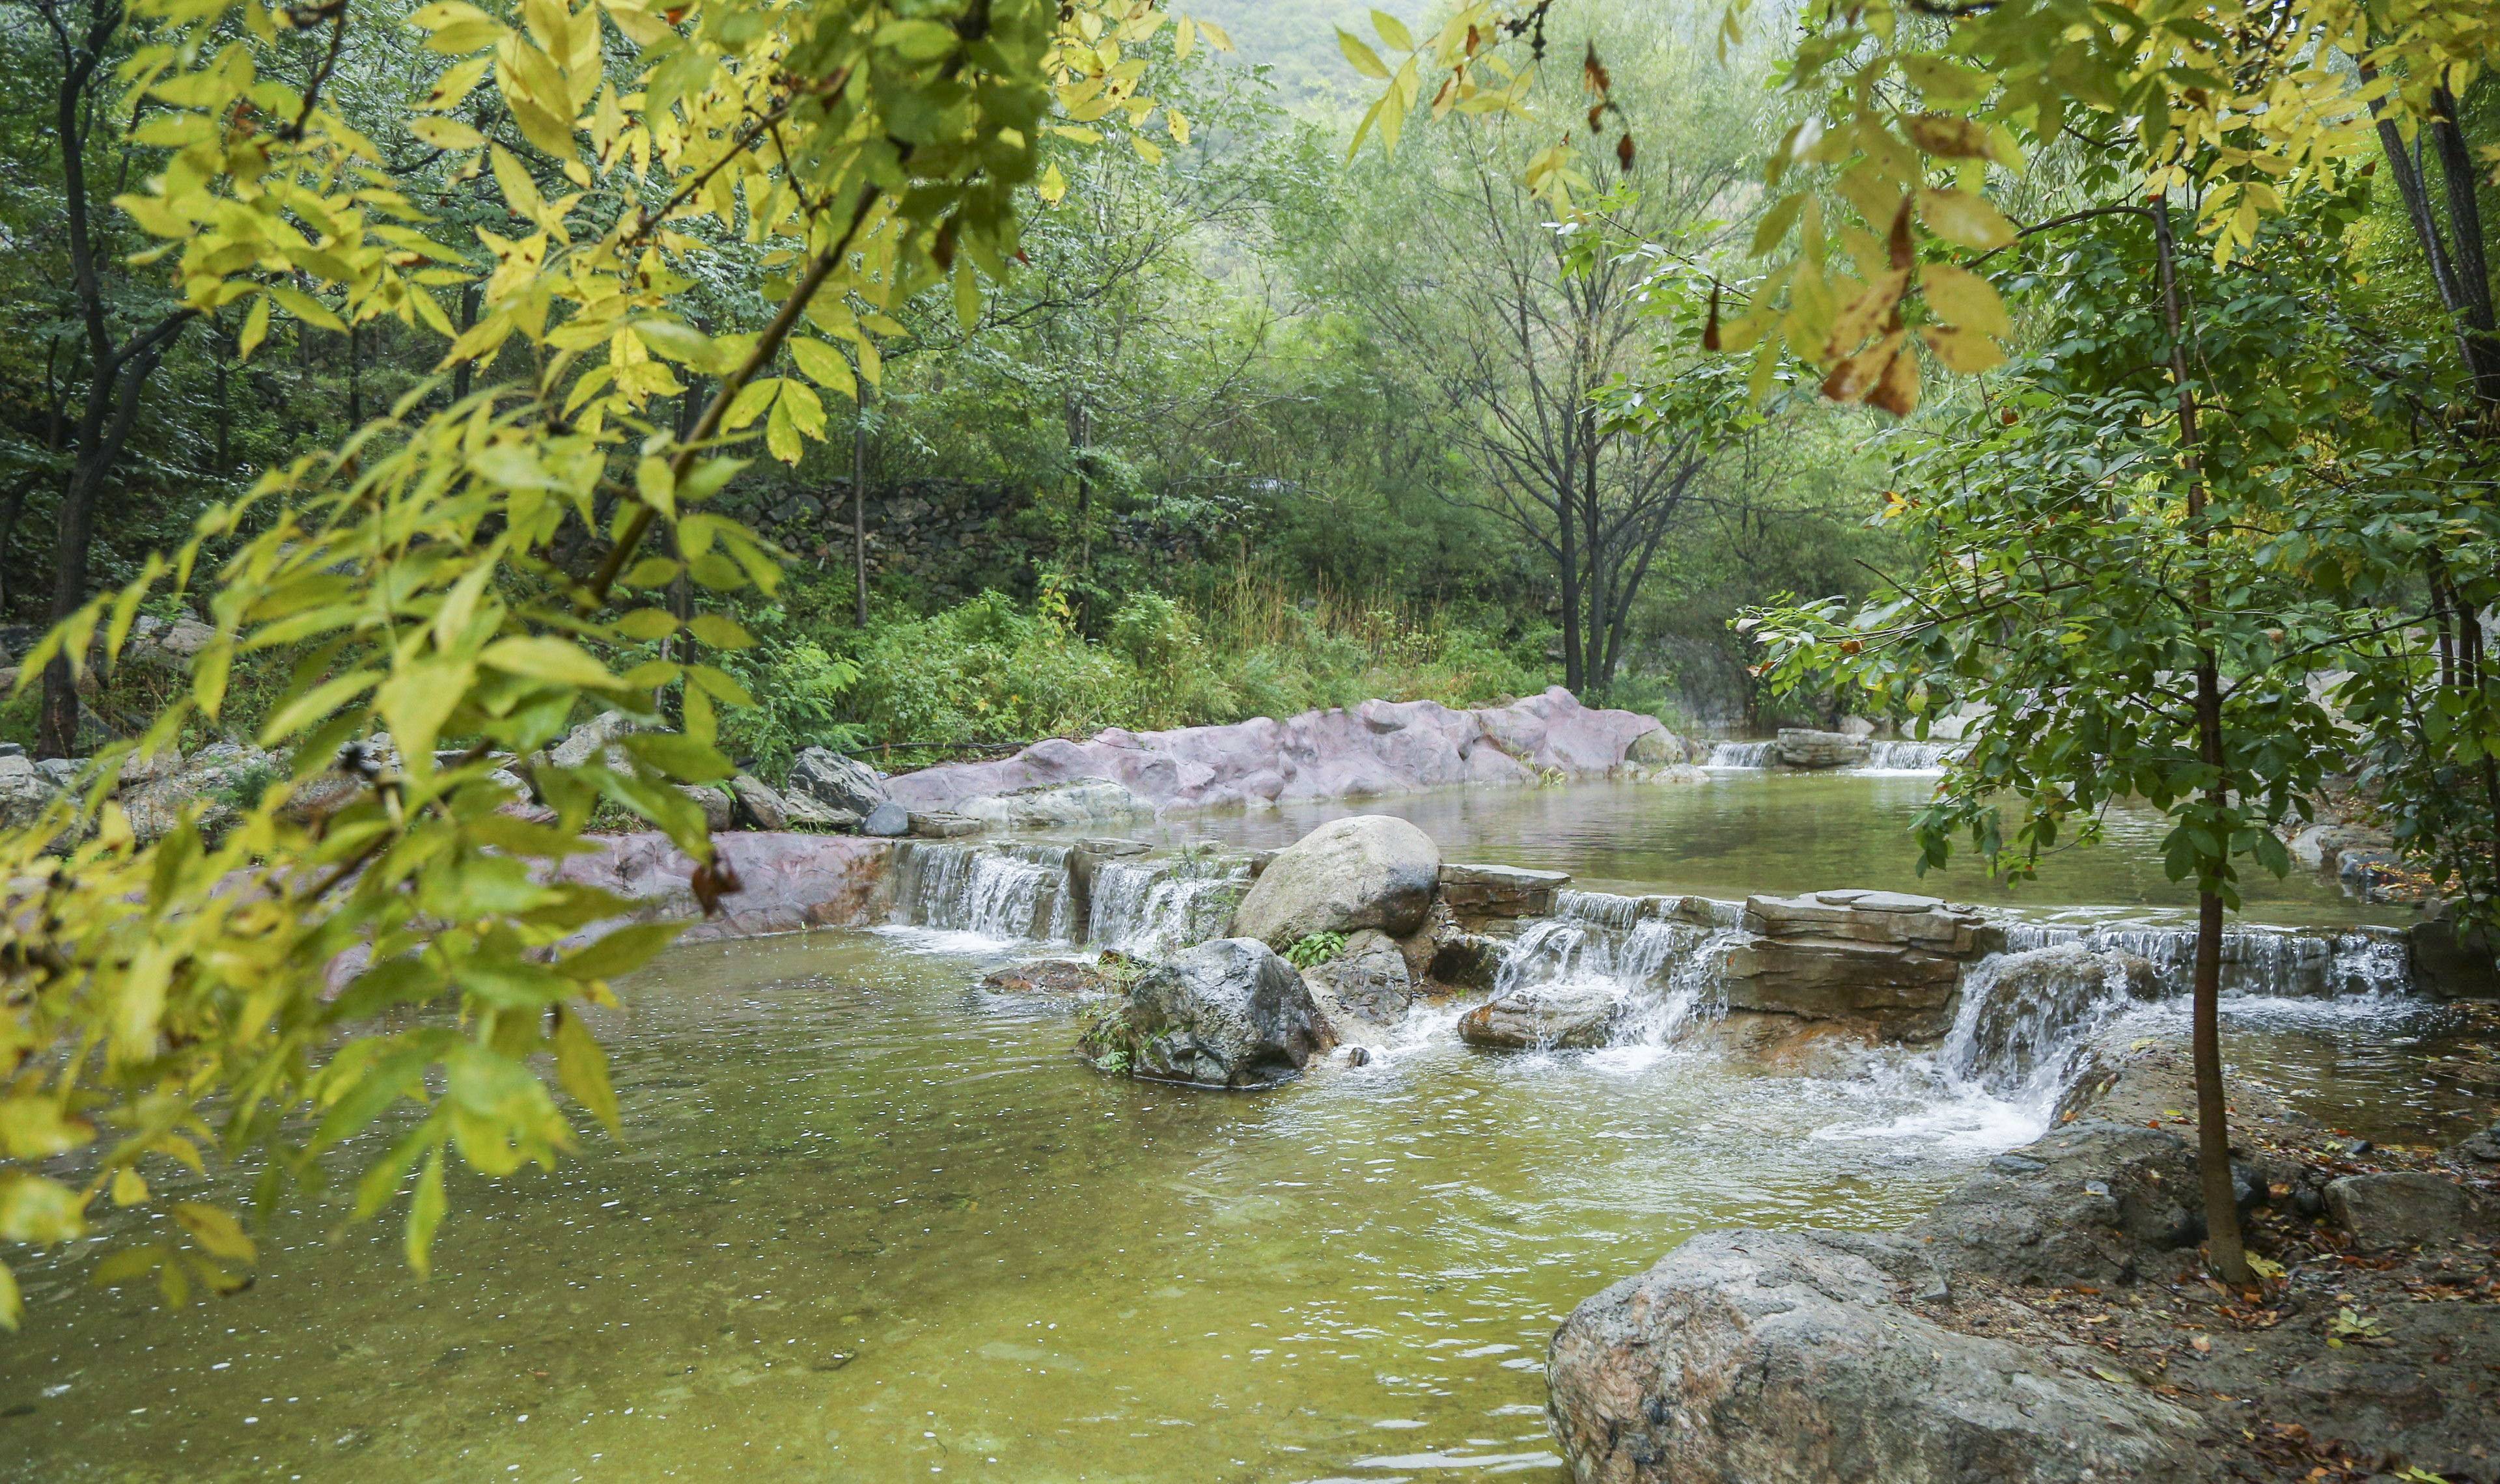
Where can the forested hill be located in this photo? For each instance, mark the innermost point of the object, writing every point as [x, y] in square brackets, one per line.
[1297, 40]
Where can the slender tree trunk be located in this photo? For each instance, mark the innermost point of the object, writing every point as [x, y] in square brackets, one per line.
[859, 503]
[1080, 447]
[1566, 517]
[2225, 1246]
[460, 374]
[2459, 270]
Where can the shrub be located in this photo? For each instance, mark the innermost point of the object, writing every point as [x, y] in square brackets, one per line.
[1316, 949]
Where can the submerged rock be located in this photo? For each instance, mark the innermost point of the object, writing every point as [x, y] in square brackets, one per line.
[1786, 1356]
[1227, 1013]
[2028, 1005]
[1062, 977]
[1369, 870]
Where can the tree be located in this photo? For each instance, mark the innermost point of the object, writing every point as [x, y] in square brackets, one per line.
[1520, 321]
[464, 576]
[2109, 561]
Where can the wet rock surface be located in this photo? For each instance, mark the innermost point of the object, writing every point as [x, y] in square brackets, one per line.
[1364, 990]
[2407, 1208]
[786, 881]
[1368, 871]
[1066, 979]
[1545, 1019]
[1887, 958]
[1499, 891]
[1058, 806]
[1229, 1013]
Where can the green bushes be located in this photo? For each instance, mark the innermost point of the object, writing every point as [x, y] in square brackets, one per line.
[994, 670]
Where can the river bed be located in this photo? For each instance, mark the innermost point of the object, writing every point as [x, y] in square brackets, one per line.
[871, 1222]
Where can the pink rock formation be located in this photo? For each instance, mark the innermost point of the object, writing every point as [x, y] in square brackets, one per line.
[787, 882]
[1377, 748]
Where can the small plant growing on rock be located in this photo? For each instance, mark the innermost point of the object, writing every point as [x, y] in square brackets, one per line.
[1110, 1041]
[1316, 949]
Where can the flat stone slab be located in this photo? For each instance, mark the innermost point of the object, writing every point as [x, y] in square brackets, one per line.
[1501, 891]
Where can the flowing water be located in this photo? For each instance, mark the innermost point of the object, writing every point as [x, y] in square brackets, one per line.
[870, 1221]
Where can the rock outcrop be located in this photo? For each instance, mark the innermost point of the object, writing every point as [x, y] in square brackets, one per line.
[1368, 871]
[1364, 990]
[1228, 1013]
[1058, 806]
[1798, 747]
[1889, 959]
[2023, 1005]
[2407, 1208]
[836, 781]
[786, 883]
[1754, 1357]
[1377, 748]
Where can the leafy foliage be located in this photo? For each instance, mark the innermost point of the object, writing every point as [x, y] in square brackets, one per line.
[439, 593]
[1315, 949]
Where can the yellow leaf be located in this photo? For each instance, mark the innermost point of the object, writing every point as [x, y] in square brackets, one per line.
[1393, 31]
[13, 1308]
[255, 329]
[128, 1189]
[1967, 351]
[446, 133]
[1963, 298]
[216, 1231]
[1179, 122]
[454, 85]
[1959, 217]
[520, 192]
[424, 1214]
[1366, 61]
[38, 1210]
[823, 365]
[582, 1069]
[1184, 39]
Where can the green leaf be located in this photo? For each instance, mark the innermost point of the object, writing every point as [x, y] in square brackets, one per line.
[555, 661]
[582, 1070]
[721, 632]
[919, 41]
[424, 1214]
[618, 951]
[1393, 31]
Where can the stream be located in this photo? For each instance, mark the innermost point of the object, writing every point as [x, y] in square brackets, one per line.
[870, 1221]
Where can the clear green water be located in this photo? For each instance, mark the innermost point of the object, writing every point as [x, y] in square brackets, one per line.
[871, 1223]
[1759, 831]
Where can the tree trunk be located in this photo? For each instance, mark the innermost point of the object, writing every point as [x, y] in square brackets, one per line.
[859, 502]
[1567, 518]
[2225, 1251]
[460, 374]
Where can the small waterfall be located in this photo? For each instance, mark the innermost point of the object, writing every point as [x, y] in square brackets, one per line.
[996, 891]
[2274, 962]
[1158, 908]
[1884, 756]
[2026, 1018]
[1743, 754]
[1659, 957]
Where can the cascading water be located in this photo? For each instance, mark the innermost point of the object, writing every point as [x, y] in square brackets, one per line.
[1156, 907]
[2274, 962]
[1659, 958]
[993, 891]
[1743, 754]
[1899, 756]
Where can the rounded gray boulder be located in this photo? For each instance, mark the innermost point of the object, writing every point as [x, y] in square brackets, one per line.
[1227, 1013]
[1369, 870]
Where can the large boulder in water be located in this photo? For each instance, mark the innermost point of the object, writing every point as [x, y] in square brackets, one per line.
[1888, 959]
[1227, 1013]
[1801, 749]
[1789, 1356]
[836, 781]
[1371, 870]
